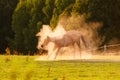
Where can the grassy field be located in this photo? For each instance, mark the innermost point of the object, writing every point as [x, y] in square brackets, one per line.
[26, 68]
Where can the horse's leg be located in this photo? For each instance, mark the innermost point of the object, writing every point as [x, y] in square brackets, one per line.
[57, 53]
[50, 54]
[79, 45]
[74, 51]
[55, 47]
[84, 41]
[86, 44]
[80, 51]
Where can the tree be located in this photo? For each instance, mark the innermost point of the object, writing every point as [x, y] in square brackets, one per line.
[30, 15]
[60, 6]
[27, 20]
[48, 10]
[20, 22]
[107, 12]
[6, 10]
[80, 6]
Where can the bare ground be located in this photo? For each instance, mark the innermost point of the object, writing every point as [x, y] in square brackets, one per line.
[90, 58]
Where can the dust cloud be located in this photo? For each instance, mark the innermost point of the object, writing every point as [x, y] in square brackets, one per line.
[67, 23]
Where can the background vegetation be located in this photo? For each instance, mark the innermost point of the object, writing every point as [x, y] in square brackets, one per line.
[21, 20]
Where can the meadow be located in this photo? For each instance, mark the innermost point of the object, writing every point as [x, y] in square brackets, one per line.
[26, 68]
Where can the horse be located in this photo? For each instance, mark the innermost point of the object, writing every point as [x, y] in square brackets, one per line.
[71, 38]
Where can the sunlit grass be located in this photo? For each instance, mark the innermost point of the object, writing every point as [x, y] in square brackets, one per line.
[25, 68]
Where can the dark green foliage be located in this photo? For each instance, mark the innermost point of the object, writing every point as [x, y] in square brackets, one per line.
[30, 15]
[48, 10]
[60, 6]
[80, 6]
[26, 23]
[107, 12]
[20, 23]
[6, 10]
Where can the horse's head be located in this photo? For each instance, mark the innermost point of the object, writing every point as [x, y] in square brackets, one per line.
[46, 41]
[42, 35]
[41, 39]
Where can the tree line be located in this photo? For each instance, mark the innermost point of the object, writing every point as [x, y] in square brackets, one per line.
[21, 20]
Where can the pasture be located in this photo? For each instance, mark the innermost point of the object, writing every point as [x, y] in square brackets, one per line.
[26, 68]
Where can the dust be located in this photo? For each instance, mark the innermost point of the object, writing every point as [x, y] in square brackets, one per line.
[66, 23]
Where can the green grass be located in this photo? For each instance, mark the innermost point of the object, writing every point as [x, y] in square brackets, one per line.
[25, 68]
